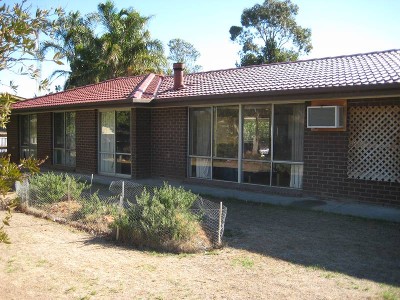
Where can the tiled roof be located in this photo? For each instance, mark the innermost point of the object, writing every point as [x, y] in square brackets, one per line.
[354, 70]
[123, 88]
[370, 69]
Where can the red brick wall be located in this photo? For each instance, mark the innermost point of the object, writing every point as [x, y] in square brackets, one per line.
[13, 138]
[325, 167]
[169, 142]
[86, 141]
[44, 138]
[141, 142]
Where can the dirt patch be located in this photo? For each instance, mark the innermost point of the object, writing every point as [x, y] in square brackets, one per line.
[271, 253]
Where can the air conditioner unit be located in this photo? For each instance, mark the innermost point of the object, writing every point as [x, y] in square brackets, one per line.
[325, 117]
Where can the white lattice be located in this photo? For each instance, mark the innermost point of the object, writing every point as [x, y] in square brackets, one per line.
[374, 143]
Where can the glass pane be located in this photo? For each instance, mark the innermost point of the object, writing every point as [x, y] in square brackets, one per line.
[288, 132]
[123, 137]
[257, 132]
[24, 130]
[107, 163]
[200, 167]
[70, 130]
[70, 158]
[287, 175]
[58, 157]
[200, 131]
[33, 131]
[225, 169]
[58, 130]
[107, 142]
[123, 165]
[32, 152]
[256, 172]
[25, 153]
[226, 136]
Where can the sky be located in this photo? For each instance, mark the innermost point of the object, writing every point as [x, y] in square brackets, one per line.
[338, 27]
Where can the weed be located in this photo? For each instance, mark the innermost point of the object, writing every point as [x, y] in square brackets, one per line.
[245, 262]
[70, 290]
[390, 295]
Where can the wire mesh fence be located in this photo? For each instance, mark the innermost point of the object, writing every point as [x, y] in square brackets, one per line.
[106, 212]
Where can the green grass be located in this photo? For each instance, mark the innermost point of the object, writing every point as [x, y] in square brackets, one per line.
[390, 295]
[245, 262]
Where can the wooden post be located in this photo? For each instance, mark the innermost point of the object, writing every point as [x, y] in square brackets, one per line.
[220, 223]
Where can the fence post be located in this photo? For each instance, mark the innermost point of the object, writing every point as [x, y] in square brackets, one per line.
[91, 183]
[220, 223]
[68, 190]
[121, 204]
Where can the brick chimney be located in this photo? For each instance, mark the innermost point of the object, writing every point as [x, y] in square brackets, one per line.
[178, 75]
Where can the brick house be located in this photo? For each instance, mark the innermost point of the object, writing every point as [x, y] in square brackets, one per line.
[328, 127]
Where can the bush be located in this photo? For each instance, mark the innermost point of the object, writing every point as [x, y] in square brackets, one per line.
[49, 187]
[160, 219]
[92, 207]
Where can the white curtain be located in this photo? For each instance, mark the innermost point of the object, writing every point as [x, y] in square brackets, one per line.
[296, 132]
[201, 140]
[107, 142]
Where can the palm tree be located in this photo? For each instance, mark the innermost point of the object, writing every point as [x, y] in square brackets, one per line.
[122, 48]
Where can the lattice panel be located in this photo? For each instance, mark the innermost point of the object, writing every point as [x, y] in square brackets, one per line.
[374, 143]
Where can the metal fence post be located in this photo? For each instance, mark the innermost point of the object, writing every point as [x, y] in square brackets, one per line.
[121, 204]
[220, 223]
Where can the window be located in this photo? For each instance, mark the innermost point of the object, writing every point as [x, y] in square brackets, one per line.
[115, 142]
[64, 152]
[28, 136]
[256, 144]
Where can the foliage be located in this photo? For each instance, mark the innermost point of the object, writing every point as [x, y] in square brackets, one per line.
[184, 52]
[269, 33]
[19, 33]
[160, 217]
[50, 187]
[10, 172]
[122, 48]
[93, 207]
[4, 238]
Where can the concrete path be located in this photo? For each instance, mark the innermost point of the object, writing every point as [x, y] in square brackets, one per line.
[368, 211]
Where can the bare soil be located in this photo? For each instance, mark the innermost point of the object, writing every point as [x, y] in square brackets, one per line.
[270, 253]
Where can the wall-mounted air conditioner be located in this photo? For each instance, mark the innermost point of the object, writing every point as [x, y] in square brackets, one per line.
[325, 117]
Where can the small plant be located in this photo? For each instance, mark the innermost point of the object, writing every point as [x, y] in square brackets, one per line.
[245, 262]
[49, 188]
[92, 207]
[160, 218]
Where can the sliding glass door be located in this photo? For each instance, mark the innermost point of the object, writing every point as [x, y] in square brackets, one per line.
[255, 144]
[115, 143]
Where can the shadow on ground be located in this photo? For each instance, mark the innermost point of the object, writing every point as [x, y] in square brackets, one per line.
[362, 248]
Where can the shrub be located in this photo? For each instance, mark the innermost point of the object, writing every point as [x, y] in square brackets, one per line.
[160, 219]
[92, 207]
[49, 187]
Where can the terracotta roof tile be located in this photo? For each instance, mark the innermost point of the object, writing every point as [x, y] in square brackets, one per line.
[354, 70]
[376, 68]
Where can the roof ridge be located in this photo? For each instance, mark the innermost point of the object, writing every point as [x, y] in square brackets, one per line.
[139, 90]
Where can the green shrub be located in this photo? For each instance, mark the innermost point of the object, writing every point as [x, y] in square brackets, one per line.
[93, 207]
[49, 187]
[159, 218]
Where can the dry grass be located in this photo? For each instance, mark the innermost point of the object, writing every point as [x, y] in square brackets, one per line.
[271, 253]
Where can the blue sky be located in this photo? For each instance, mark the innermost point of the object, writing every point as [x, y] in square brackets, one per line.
[338, 27]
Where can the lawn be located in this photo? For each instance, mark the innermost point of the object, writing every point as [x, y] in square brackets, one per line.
[270, 253]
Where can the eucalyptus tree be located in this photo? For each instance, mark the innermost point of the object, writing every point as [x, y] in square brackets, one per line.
[269, 33]
[184, 52]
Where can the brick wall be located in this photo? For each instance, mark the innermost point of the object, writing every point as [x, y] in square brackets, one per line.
[44, 138]
[13, 138]
[86, 141]
[325, 167]
[141, 142]
[169, 142]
